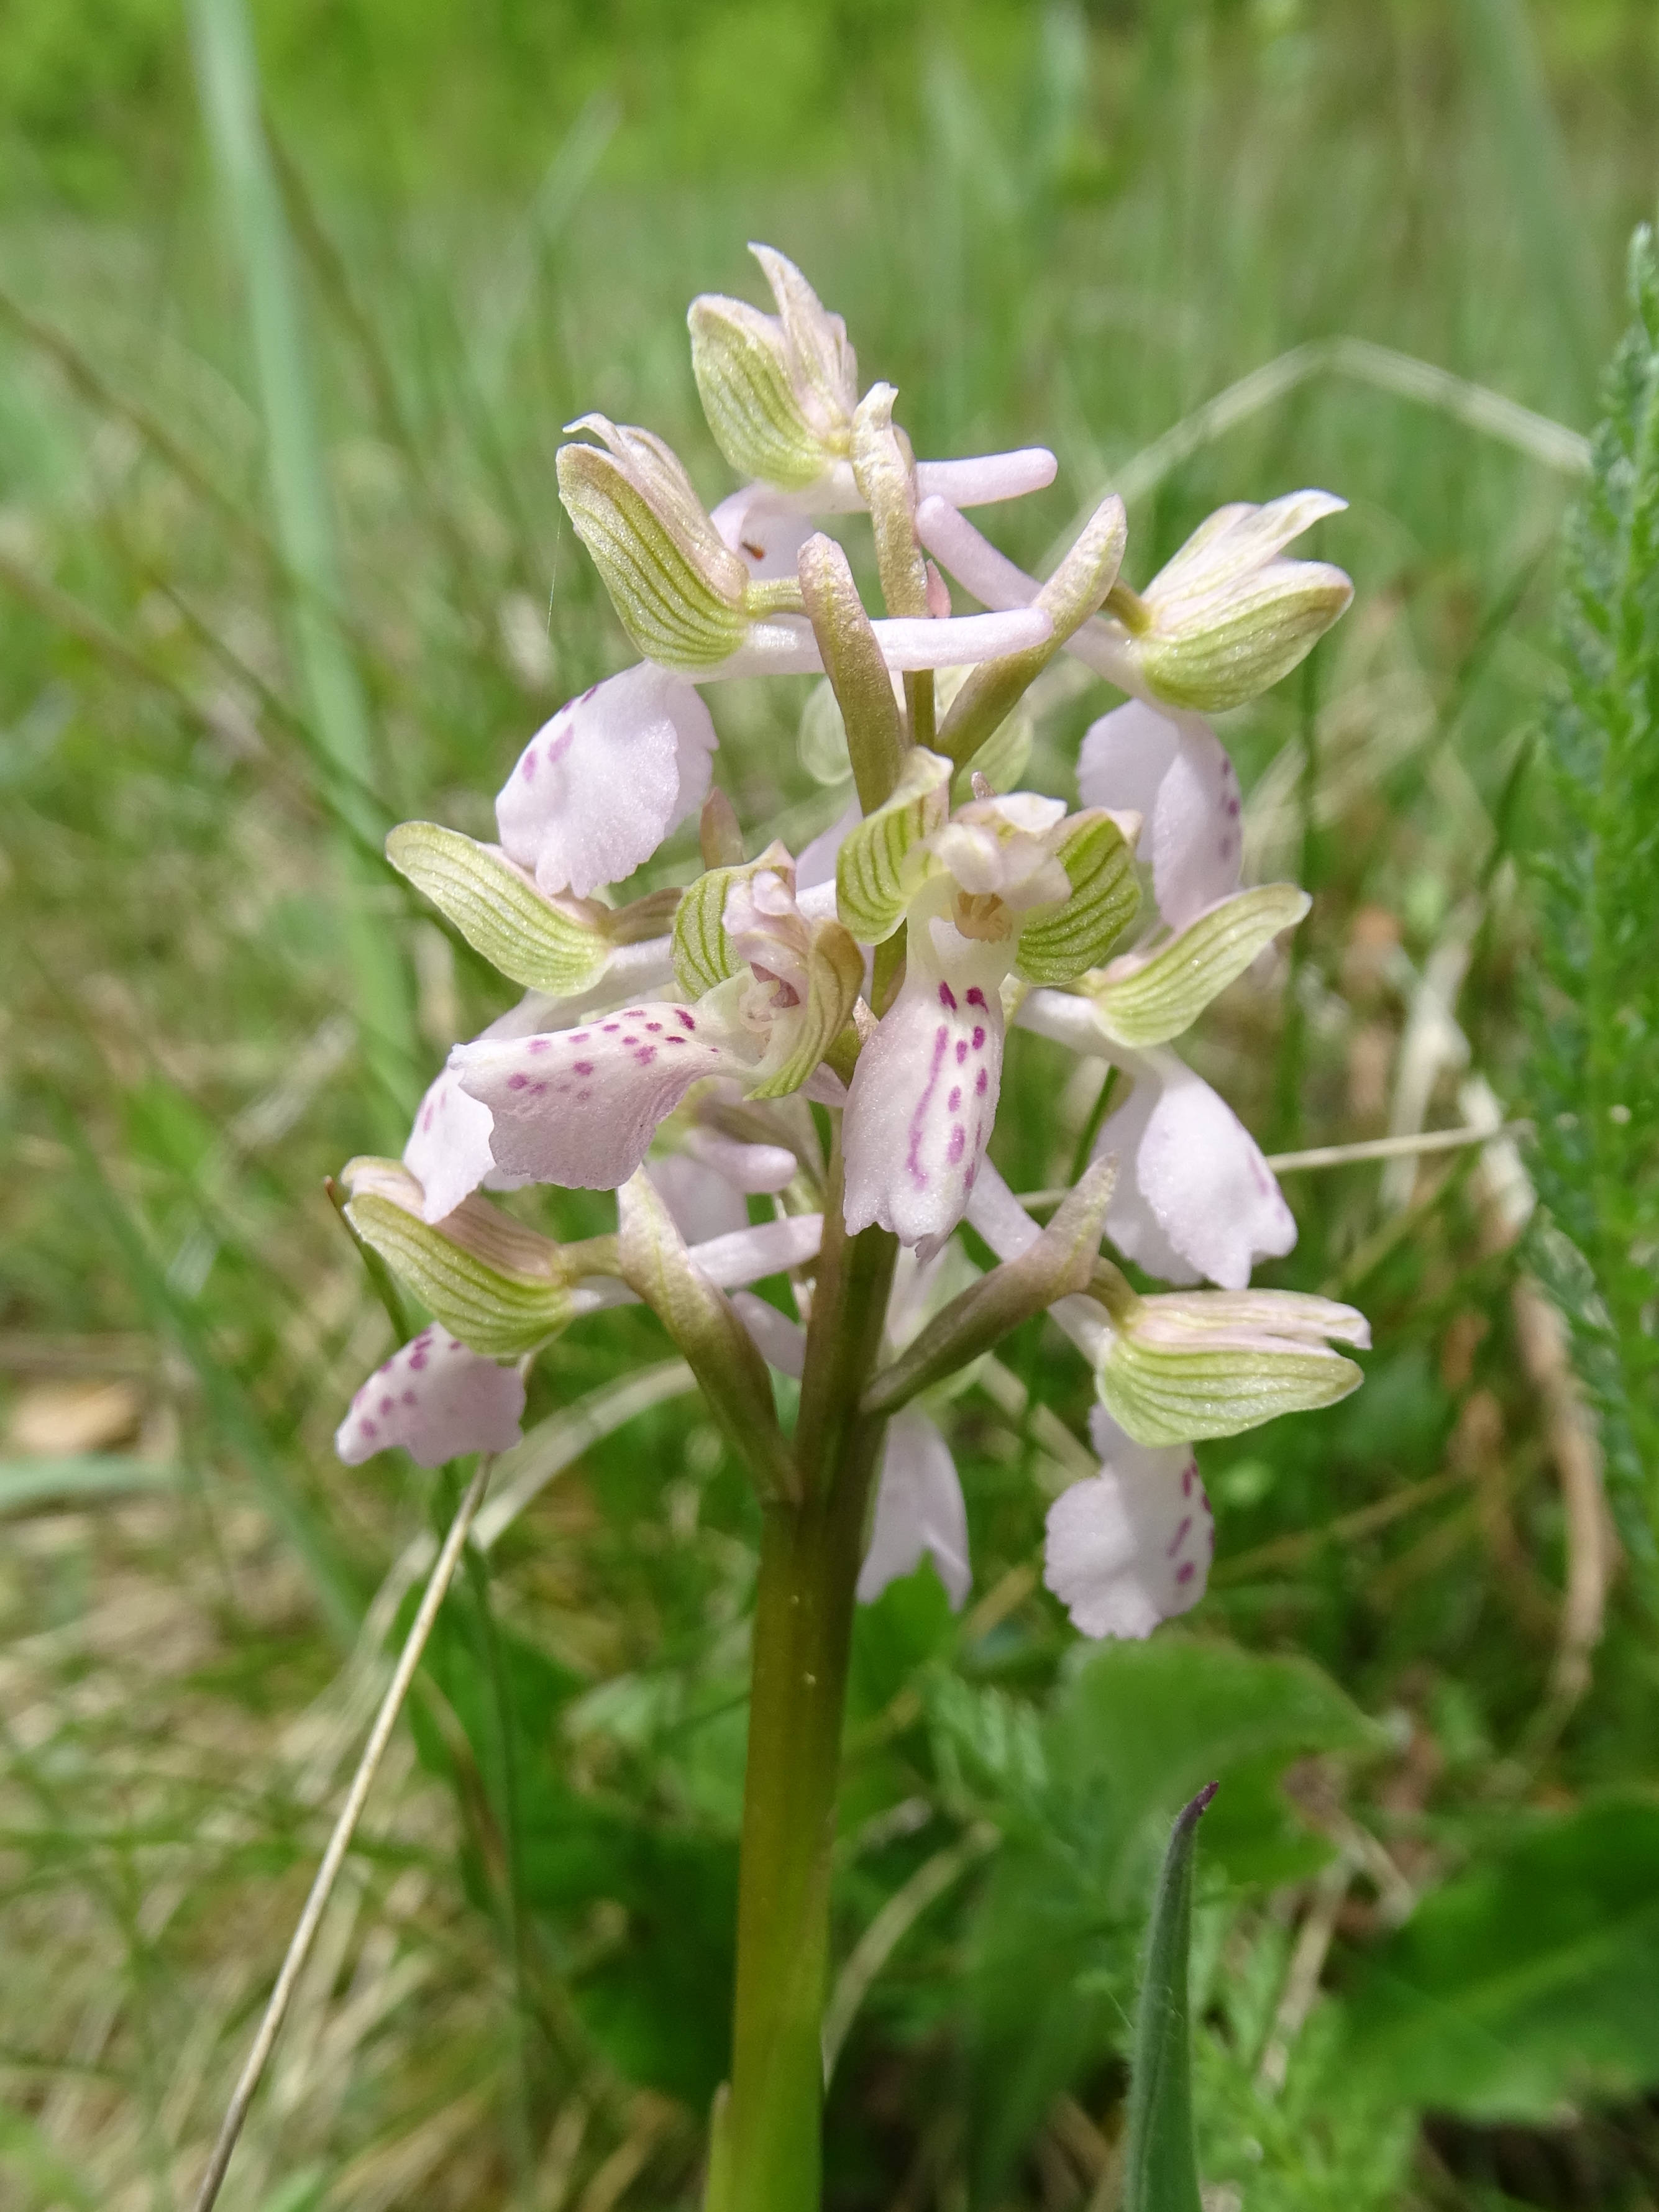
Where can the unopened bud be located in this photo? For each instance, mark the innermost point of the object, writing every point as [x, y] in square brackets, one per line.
[1197, 1364]
[1228, 616]
[779, 391]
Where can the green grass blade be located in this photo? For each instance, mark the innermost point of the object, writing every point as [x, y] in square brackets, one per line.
[1504, 57]
[27, 1484]
[1161, 2169]
[228, 74]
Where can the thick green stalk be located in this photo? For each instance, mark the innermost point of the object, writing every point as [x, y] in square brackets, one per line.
[227, 72]
[809, 1556]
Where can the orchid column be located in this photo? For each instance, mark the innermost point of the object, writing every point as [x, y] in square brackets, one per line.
[825, 1032]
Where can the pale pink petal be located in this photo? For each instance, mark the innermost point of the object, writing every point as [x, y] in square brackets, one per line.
[766, 1248]
[969, 556]
[448, 1150]
[781, 1342]
[1174, 772]
[985, 477]
[700, 1203]
[1193, 1198]
[823, 1087]
[787, 647]
[760, 1170]
[599, 787]
[581, 1107]
[919, 1110]
[918, 1513]
[1133, 1545]
[437, 1399]
[768, 532]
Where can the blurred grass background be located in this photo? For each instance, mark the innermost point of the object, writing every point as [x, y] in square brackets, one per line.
[1065, 225]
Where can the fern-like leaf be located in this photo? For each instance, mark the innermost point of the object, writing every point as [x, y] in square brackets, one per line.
[1594, 858]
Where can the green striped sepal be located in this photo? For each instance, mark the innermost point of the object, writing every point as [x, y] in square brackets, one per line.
[740, 360]
[880, 867]
[1195, 1363]
[835, 976]
[1146, 999]
[704, 956]
[558, 945]
[1062, 943]
[495, 1284]
[680, 593]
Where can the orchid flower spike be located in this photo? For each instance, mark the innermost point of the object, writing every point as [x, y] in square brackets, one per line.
[685, 1048]
[770, 993]
[1004, 886]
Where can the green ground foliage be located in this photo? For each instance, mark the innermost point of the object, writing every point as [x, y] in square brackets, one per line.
[1426, 1937]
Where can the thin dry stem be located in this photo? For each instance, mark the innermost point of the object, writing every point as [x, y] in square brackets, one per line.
[304, 1934]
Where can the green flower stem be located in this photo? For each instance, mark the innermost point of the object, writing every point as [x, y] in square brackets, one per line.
[919, 700]
[809, 1556]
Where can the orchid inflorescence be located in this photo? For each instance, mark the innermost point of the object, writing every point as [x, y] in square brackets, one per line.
[673, 1048]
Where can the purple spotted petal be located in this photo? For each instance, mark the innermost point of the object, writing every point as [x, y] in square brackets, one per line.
[1132, 1546]
[599, 787]
[919, 1113]
[436, 1399]
[581, 1107]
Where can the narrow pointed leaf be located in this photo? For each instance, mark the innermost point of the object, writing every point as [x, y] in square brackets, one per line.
[1161, 2167]
[1055, 1264]
[704, 1326]
[858, 674]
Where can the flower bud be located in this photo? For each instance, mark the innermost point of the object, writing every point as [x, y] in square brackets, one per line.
[1196, 1363]
[779, 391]
[683, 595]
[1227, 617]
